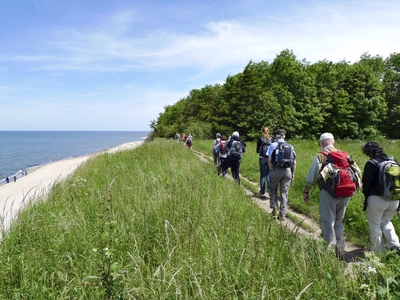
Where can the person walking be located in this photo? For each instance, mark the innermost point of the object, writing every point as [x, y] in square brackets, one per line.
[282, 165]
[379, 210]
[263, 144]
[215, 152]
[236, 147]
[223, 153]
[331, 209]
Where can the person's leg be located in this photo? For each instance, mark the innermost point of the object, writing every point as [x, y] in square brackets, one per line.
[286, 176]
[392, 240]
[274, 177]
[338, 227]
[327, 212]
[263, 162]
[267, 170]
[375, 209]
[235, 165]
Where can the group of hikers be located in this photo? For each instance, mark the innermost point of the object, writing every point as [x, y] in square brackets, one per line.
[186, 139]
[337, 177]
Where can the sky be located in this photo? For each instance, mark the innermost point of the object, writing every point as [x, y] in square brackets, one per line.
[114, 65]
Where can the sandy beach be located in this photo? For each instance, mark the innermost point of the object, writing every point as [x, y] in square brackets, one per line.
[14, 195]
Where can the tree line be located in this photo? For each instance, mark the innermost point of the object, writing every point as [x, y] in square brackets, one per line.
[354, 101]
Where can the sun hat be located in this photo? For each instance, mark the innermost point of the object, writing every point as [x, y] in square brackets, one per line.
[326, 136]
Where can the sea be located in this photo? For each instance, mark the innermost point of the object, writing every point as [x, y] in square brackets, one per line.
[22, 152]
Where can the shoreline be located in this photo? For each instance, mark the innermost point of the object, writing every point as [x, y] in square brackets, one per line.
[15, 195]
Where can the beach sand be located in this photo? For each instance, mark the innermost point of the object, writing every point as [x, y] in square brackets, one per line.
[14, 195]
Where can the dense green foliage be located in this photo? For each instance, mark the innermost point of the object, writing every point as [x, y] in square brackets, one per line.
[355, 101]
[157, 223]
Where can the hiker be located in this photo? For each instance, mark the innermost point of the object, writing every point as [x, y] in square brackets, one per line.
[184, 138]
[236, 147]
[177, 136]
[189, 141]
[216, 149]
[263, 143]
[8, 180]
[331, 208]
[15, 178]
[282, 165]
[223, 153]
[379, 210]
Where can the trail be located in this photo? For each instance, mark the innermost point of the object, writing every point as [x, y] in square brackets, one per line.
[306, 226]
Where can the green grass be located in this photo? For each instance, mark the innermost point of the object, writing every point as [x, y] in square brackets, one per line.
[157, 223]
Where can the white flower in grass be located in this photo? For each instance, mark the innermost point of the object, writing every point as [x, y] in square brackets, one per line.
[94, 249]
[364, 286]
[371, 270]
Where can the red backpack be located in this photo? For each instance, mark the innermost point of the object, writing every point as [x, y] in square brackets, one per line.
[342, 180]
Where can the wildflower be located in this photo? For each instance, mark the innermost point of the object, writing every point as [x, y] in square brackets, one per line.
[94, 249]
[371, 270]
[364, 286]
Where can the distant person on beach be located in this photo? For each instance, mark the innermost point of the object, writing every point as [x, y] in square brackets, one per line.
[15, 178]
[8, 180]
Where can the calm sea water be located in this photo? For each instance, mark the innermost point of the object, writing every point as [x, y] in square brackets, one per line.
[26, 150]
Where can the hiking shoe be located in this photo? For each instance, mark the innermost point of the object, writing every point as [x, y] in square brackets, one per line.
[340, 254]
[274, 212]
[262, 195]
[281, 217]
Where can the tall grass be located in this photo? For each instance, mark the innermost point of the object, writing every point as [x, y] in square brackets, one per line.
[157, 223]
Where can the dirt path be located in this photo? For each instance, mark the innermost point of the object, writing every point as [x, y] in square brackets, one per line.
[309, 226]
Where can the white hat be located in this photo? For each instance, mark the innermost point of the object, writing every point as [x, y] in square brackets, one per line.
[235, 134]
[326, 136]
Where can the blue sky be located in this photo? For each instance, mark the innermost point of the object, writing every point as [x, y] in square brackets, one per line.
[114, 65]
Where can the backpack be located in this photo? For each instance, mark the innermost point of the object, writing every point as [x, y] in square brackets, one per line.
[265, 142]
[283, 155]
[216, 147]
[222, 148]
[189, 142]
[235, 152]
[389, 178]
[339, 178]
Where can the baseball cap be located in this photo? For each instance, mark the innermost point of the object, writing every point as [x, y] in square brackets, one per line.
[279, 132]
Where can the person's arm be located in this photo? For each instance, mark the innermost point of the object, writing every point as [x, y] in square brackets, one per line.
[258, 145]
[367, 181]
[311, 178]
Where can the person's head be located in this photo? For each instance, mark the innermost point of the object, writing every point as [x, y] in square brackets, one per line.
[223, 137]
[279, 134]
[326, 139]
[265, 131]
[235, 133]
[218, 135]
[372, 149]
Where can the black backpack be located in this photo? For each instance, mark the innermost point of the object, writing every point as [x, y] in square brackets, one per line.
[265, 142]
[235, 152]
[283, 155]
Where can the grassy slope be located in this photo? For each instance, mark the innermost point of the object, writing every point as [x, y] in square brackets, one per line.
[156, 222]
